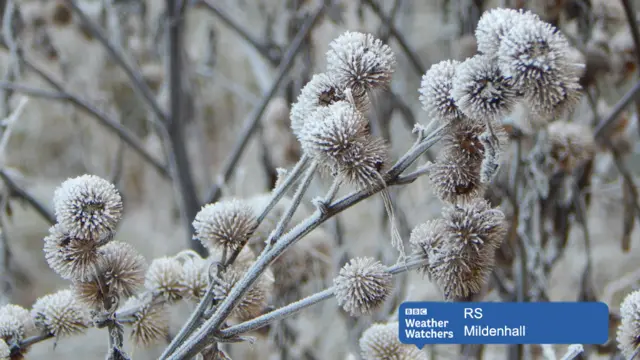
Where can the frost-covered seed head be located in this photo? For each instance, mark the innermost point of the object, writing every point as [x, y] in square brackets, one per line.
[15, 323]
[195, 277]
[533, 53]
[560, 96]
[462, 140]
[381, 342]
[427, 238]
[474, 224]
[571, 144]
[165, 277]
[360, 61]
[61, 314]
[88, 207]
[151, 323]
[5, 351]
[628, 334]
[435, 92]
[224, 224]
[494, 24]
[481, 90]
[123, 268]
[254, 301]
[455, 180]
[460, 275]
[70, 257]
[321, 91]
[362, 286]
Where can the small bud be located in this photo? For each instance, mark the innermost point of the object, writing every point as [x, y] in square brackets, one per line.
[88, 207]
[225, 224]
[435, 92]
[15, 323]
[360, 61]
[165, 277]
[381, 342]
[70, 257]
[362, 286]
[628, 334]
[61, 314]
[481, 90]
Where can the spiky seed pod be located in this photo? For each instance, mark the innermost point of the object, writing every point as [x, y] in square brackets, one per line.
[462, 140]
[435, 92]
[555, 100]
[571, 144]
[195, 277]
[628, 334]
[61, 314]
[92, 293]
[165, 277]
[88, 207]
[460, 272]
[533, 53]
[474, 224]
[360, 61]
[5, 351]
[481, 90]
[123, 268]
[494, 24]
[426, 238]
[254, 301]
[338, 138]
[151, 322]
[454, 180]
[321, 91]
[224, 224]
[15, 323]
[381, 342]
[70, 257]
[362, 286]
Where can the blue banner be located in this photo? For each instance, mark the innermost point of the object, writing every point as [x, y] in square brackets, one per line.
[423, 323]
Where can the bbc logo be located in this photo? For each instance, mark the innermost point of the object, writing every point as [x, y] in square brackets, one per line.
[415, 311]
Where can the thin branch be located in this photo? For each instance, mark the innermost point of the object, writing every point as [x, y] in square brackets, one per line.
[301, 304]
[21, 193]
[414, 59]
[603, 125]
[250, 124]
[270, 52]
[117, 55]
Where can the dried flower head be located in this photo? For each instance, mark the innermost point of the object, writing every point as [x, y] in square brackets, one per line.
[435, 92]
[15, 323]
[224, 224]
[426, 238]
[570, 144]
[254, 301]
[321, 91]
[360, 61]
[455, 180]
[554, 100]
[533, 53]
[474, 224]
[481, 90]
[195, 276]
[165, 277]
[122, 267]
[61, 314]
[463, 140]
[494, 24]
[151, 321]
[628, 334]
[338, 138]
[88, 207]
[71, 258]
[362, 286]
[381, 342]
[5, 351]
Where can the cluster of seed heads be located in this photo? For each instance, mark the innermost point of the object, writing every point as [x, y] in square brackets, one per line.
[328, 116]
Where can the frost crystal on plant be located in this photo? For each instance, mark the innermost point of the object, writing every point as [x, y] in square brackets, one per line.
[494, 24]
[5, 351]
[380, 342]
[224, 224]
[362, 286]
[628, 334]
[88, 207]
[360, 61]
[254, 301]
[165, 277]
[15, 323]
[435, 92]
[481, 90]
[321, 91]
[61, 314]
[71, 258]
[455, 180]
[151, 322]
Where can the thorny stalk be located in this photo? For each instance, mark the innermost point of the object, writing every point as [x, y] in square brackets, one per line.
[196, 342]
